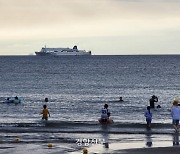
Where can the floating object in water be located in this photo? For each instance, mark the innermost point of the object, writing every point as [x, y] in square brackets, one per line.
[17, 139]
[15, 100]
[109, 121]
[50, 145]
[85, 151]
[159, 106]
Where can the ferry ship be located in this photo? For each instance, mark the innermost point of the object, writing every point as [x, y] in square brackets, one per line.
[62, 52]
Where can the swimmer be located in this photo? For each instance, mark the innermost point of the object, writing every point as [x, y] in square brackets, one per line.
[120, 99]
[46, 99]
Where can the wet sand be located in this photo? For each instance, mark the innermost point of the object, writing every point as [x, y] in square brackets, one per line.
[159, 150]
[155, 150]
[162, 144]
[58, 149]
[145, 143]
[137, 144]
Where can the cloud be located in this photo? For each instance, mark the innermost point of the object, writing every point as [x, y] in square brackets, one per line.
[60, 19]
[47, 12]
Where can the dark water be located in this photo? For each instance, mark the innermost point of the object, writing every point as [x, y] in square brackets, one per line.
[78, 87]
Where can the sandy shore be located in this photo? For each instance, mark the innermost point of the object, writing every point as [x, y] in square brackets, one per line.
[42, 149]
[147, 143]
[159, 150]
[160, 145]
[137, 144]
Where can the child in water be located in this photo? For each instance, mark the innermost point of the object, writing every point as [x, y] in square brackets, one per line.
[109, 120]
[104, 113]
[45, 113]
[148, 116]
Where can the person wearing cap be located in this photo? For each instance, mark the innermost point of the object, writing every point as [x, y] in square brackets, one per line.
[153, 100]
[175, 113]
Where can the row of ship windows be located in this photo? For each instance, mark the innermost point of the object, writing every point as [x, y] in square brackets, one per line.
[65, 51]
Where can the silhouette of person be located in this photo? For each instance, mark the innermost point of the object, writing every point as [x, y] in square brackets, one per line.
[153, 100]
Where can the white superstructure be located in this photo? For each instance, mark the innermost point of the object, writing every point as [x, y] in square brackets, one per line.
[62, 51]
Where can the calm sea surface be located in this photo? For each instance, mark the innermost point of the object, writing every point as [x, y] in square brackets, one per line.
[78, 87]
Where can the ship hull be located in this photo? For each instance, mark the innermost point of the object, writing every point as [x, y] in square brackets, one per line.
[62, 52]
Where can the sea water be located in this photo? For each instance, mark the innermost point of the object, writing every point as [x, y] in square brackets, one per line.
[77, 87]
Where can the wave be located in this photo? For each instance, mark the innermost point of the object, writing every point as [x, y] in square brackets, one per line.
[86, 127]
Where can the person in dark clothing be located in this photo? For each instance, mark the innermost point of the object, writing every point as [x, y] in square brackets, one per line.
[153, 100]
[120, 99]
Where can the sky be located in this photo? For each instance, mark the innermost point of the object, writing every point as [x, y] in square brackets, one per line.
[106, 27]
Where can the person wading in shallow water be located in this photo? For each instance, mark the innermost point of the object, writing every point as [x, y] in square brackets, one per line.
[152, 101]
[104, 113]
[175, 113]
[45, 113]
[148, 116]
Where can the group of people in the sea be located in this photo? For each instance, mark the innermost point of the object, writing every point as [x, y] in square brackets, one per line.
[175, 112]
[45, 112]
[105, 113]
[148, 113]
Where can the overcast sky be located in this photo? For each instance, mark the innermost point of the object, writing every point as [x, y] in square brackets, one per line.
[103, 26]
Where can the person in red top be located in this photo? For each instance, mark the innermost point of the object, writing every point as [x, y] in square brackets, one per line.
[45, 113]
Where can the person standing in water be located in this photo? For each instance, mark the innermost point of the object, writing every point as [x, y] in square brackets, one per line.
[104, 113]
[45, 113]
[175, 113]
[148, 116]
[153, 100]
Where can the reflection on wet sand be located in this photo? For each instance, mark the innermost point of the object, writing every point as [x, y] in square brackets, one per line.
[176, 138]
[148, 139]
[105, 135]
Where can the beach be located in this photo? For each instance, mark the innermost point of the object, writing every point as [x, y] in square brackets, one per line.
[52, 138]
[160, 144]
[139, 144]
[160, 150]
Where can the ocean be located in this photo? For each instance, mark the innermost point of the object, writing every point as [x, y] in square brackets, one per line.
[77, 88]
